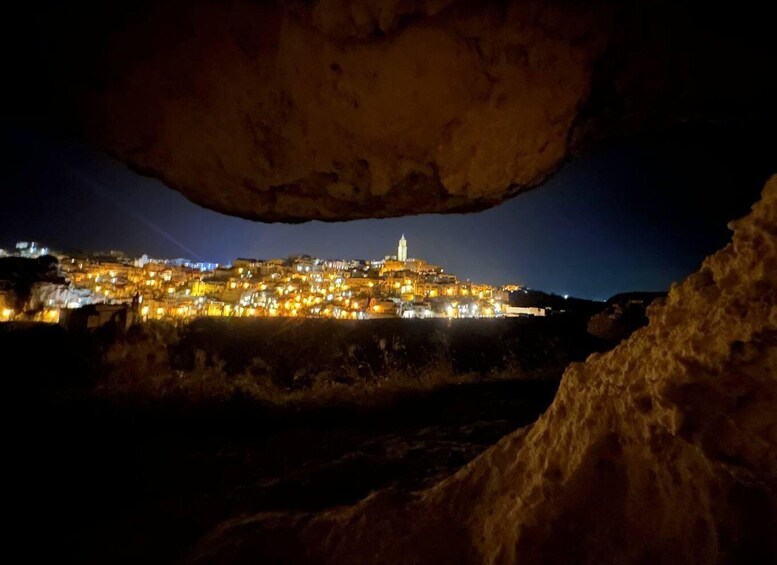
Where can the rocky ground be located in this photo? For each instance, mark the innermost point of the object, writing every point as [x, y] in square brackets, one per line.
[142, 473]
[135, 486]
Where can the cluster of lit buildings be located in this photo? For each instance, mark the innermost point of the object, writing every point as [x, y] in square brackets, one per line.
[301, 286]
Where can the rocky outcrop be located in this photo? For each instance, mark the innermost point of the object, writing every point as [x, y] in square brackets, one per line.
[341, 109]
[350, 109]
[616, 322]
[663, 450]
[623, 315]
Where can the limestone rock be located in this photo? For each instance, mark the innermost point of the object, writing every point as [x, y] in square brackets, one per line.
[338, 111]
[661, 450]
[623, 315]
[342, 109]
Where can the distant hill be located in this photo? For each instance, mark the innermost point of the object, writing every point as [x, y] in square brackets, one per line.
[641, 297]
[624, 314]
[612, 321]
[529, 298]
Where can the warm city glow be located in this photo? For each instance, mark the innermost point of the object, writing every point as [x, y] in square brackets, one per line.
[295, 287]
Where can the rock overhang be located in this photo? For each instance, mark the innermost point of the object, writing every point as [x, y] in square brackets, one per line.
[345, 109]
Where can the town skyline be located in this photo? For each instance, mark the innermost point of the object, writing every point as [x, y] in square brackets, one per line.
[581, 234]
[66, 287]
[34, 248]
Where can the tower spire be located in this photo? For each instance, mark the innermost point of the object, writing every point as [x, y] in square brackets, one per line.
[402, 249]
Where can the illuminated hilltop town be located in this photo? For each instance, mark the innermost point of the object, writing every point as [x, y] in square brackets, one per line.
[300, 286]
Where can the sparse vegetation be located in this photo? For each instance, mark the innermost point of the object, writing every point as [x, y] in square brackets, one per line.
[365, 365]
[158, 434]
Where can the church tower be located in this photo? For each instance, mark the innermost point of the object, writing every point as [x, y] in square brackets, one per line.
[402, 249]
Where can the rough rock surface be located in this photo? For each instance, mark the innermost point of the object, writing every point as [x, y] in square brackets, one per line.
[662, 450]
[625, 313]
[342, 109]
[614, 323]
[337, 111]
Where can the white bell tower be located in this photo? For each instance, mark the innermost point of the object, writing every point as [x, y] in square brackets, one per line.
[402, 249]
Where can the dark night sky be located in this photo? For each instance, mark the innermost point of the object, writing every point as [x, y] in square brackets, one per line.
[627, 216]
